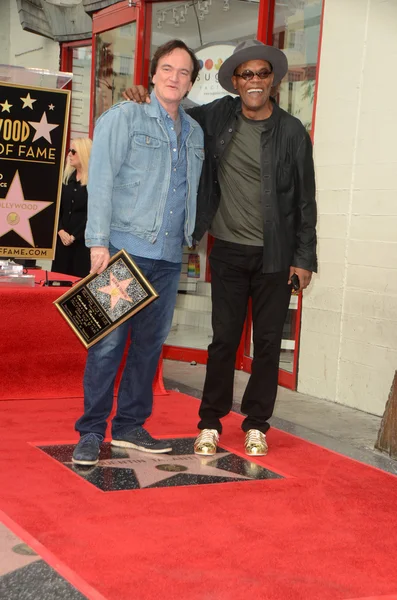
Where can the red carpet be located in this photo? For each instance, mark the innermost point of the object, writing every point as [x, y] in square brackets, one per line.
[325, 532]
[41, 357]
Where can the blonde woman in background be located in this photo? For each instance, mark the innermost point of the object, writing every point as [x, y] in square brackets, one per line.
[71, 255]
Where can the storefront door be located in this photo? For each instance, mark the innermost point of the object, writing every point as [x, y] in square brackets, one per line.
[296, 29]
[76, 58]
[212, 29]
[114, 50]
[124, 40]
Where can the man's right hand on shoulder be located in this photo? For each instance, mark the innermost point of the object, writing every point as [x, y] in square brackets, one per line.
[99, 259]
[137, 93]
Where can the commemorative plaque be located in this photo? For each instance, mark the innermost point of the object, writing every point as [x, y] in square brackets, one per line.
[97, 304]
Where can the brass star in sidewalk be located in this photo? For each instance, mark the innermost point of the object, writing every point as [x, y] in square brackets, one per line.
[5, 106]
[28, 102]
[152, 469]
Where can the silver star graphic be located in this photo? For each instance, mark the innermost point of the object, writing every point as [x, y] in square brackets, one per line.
[6, 106]
[28, 102]
[151, 469]
[43, 128]
[51, 106]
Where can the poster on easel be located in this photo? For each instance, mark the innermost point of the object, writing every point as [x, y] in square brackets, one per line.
[33, 135]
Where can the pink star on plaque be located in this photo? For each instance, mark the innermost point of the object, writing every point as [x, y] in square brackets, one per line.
[116, 290]
[43, 128]
[15, 211]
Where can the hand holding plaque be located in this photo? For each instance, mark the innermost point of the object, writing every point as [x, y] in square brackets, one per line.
[97, 304]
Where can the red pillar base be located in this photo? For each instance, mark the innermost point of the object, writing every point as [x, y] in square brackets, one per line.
[158, 382]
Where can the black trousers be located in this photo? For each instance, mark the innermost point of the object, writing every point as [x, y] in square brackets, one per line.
[236, 275]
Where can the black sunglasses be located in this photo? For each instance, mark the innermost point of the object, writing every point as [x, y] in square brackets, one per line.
[72, 151]
[247, 75]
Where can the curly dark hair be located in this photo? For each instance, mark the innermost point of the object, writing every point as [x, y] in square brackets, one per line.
[167, 48]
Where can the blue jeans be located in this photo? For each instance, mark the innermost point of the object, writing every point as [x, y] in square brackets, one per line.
[148, 330]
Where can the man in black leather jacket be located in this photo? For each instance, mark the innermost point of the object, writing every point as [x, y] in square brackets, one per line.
[257, 199]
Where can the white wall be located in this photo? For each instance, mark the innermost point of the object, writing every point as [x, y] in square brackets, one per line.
[349, 324]
[4, 31]
[26, 49]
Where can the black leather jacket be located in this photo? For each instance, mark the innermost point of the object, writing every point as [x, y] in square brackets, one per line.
[287, 189]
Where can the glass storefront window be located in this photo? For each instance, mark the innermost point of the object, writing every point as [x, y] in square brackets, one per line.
[297, 32]
[213, 25]
[211, 29]
[203, 22]
[114, 65]
[80, 101]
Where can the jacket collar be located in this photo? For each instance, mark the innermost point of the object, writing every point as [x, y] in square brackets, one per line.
[153, 110]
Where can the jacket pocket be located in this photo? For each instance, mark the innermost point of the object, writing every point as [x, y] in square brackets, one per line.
[284, 176]
[146, 152]
[125, 199]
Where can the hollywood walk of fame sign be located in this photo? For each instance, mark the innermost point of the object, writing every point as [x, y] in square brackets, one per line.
[97, 304]
[33, 134]
[127, 469]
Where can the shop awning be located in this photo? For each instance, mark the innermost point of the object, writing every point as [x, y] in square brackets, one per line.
[55, 20]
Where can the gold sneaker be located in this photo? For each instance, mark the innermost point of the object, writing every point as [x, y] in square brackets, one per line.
[206, 442]
[255, 443]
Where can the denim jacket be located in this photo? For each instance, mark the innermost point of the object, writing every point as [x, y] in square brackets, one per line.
[129, 173]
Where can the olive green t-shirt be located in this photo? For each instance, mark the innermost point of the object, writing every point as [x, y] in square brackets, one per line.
[239, 217]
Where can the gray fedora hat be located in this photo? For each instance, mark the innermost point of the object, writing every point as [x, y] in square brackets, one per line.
[252, 50]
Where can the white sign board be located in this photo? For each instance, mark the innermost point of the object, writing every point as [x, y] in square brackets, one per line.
[206, 87]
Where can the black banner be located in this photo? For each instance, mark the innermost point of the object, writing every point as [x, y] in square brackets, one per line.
[33, 132]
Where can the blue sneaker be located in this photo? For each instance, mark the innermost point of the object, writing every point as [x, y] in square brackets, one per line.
[87, 450]
[140, 439]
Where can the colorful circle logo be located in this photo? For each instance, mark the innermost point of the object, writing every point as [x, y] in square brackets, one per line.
[209, 64]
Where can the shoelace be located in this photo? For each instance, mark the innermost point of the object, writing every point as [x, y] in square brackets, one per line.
[254, 436]
[208, 436]
[88, 438]
[142, 435]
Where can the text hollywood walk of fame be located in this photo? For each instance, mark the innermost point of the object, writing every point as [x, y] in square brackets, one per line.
[15, 131]
[32, 131]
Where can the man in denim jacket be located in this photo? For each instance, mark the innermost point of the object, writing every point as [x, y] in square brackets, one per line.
[144, 172]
